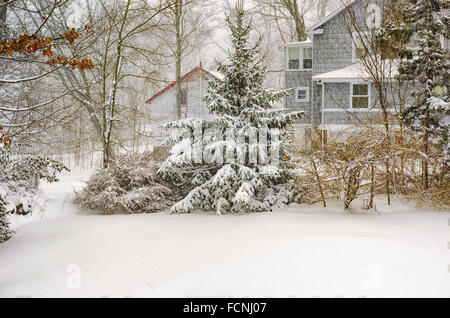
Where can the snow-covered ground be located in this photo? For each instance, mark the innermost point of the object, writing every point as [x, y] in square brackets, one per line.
[295, 252]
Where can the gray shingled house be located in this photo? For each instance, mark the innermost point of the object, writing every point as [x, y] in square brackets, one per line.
[326, 78]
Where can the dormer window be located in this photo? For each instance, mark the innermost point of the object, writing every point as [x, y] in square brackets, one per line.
[299, 58]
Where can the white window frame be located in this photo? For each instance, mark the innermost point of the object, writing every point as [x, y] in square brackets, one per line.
[368, 96]
[354, 36]
[301, 57]
[287, 58]
[304, 100]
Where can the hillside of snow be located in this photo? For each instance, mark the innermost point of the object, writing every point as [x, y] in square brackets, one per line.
[292, 252]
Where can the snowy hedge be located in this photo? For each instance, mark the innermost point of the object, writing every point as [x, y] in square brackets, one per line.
[19, 181]
[129, 185]
[5, 232]
[19, 178]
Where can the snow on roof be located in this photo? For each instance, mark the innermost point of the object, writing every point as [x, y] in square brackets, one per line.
[356, 71]
[185, 77]
[306, 42]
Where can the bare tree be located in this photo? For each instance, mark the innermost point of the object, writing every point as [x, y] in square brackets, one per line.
[117, 43]
[29, 108]
[185, 29]
[288, 15]
[321, 8]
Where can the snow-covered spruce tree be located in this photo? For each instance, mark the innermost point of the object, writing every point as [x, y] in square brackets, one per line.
[5, 232]
[427, 63]
[225, 162]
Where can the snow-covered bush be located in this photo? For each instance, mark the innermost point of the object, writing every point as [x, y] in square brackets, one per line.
[19, 181]
[354, 166]
[128, 185]
[20, 175]
[5, 232]
[230, 163]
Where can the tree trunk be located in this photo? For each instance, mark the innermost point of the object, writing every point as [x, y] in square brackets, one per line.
[322, 8]
[352, 186]
[388, 184]
[425, 178]
[372, 186]
[117, 69]
[3, 11]
[178, 12]
[300, 29]
[384, 107]
[319, 183]
[425, 162]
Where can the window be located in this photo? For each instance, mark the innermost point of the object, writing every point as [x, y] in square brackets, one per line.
[360, 95]
[294, 58]
[307, 58]
[183, 97]
[299, 58]
[360, 46]
[302, 94]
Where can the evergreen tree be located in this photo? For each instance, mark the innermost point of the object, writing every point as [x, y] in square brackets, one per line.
[234, 181]
[5, 232]
[426, 62]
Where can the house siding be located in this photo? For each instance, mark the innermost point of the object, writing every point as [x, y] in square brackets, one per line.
[337, 105]
[332, 50]
[299, 79]
[348, 117]
[162, 109]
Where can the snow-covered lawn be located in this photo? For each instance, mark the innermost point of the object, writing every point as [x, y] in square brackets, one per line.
[295, 252]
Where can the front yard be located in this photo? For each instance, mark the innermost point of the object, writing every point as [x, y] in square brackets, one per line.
[292, 252]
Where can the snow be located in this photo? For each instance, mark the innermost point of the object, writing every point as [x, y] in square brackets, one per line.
[306, 42]
[357, 71]
[303, 251]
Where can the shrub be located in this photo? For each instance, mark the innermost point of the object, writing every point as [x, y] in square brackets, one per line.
[19, 178]
[5, 232]
[129, 184]
[353, 164]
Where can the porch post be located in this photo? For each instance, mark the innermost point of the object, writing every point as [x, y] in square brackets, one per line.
[323, 107]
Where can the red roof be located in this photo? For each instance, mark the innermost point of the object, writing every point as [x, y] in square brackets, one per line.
[182, 79]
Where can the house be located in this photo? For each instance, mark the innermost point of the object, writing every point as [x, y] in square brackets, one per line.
[162, 105]
[327, 78]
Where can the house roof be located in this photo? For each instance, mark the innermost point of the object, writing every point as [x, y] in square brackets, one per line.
[184, 78]
[356, 71]
[331, 15]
